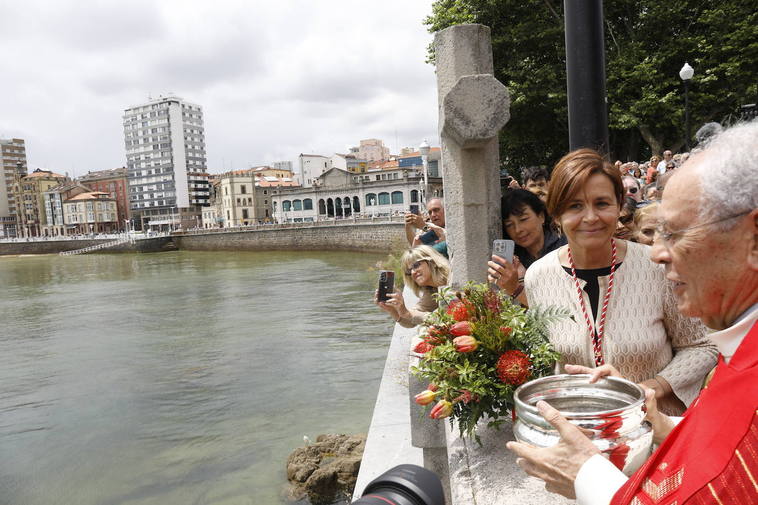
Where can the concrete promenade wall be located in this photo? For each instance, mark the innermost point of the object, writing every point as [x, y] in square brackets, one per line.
[375, 237]
[55, 246]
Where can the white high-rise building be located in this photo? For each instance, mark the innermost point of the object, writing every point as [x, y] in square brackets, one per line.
[166, 163]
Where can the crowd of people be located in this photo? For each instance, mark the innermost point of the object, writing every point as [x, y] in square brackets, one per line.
[647, 275]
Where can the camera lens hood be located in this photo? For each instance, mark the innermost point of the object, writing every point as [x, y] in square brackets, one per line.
[404, 485]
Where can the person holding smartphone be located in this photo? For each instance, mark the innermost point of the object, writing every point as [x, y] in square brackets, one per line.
[430, 232]
[525, 221]
[424, 270]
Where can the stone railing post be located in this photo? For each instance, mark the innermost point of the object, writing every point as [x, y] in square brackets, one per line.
[473, 107]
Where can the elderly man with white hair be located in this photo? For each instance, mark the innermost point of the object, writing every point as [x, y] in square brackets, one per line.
[708, 243]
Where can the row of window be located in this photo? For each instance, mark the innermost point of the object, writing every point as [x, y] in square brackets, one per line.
[306, 204]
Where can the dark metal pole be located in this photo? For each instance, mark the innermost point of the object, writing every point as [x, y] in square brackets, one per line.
[585, 74]
[687, 114]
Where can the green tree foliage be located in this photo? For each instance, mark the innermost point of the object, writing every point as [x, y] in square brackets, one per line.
[646, 44]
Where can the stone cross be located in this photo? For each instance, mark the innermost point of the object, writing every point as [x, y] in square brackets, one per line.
[473, 107]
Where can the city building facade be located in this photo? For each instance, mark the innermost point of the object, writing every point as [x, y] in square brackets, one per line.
[339, 194]
[115, 183]
[310, 167]
[166, 163]
[373, 150]
[29, 194]
[348, 162]
[282, 165]
[55, 223]
[89, 213]
[12, 168]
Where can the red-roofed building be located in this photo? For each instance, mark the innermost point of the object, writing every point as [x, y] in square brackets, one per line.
[93, 212]
[115, 183]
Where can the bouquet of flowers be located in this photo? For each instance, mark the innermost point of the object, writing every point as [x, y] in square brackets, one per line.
[476, 349]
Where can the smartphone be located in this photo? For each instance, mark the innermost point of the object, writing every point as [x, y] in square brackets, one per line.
[415, 210]
[386, 284]
[428, 238]
[503, 248]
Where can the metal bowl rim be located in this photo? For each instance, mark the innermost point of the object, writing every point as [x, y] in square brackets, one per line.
[522, 405]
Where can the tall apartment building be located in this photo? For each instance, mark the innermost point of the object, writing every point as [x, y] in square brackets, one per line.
[12, 168]
[166, 163]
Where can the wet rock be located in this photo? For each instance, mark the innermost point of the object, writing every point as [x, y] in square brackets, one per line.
[326, 469]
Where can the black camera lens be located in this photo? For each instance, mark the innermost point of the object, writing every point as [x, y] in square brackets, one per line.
[404, 485]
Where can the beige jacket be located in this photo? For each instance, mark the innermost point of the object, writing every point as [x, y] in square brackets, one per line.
[645, 335]
[426, 304]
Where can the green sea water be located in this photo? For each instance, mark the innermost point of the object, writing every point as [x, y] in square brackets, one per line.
[179, 378]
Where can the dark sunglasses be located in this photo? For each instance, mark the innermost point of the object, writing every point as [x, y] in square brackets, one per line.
[626, 219]
[632, 190]
[414, 266]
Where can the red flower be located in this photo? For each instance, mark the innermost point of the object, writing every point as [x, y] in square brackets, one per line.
[460, 329]
[425, 397]
[506, 330]
[423, 347]
[513, 367]
[466, 343]
[459, 310]
[443, 409]
[432, 387]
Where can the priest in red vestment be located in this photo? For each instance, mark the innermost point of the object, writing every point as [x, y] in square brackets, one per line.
[708, 243]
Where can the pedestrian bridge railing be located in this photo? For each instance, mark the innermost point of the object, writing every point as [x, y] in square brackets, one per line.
[98, 247]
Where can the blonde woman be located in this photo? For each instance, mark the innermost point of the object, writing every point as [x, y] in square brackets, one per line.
[645, 222]
[424, 270]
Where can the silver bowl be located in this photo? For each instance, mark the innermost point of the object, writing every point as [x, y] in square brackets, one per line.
[610, 412]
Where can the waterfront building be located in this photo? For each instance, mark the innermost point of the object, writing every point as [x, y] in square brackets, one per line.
[115, 183]
[93, 212]
[166, 163]
[373, 150]
[242, 198]
[339, 194]
[29, 193]
[311, 166]
[53, 198]
[12, 167]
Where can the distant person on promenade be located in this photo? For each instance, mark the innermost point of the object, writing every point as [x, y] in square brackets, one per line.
[525, 221]
[424, 271]
[707, 242]
[428, 232]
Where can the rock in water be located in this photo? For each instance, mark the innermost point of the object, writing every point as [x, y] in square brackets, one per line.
[324, 470]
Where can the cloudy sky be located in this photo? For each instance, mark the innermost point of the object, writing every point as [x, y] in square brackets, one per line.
[274, 78]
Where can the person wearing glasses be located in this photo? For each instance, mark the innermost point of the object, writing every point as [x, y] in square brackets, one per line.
[707, 243]
[624, 311]
[632, 188]
[424, 271]
[625, 224]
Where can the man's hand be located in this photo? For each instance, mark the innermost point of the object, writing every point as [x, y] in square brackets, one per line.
[414, 220]
[662, 424]
[557, 465]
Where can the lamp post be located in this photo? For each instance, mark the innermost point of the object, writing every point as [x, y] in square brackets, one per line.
[686, 74]
[424, 150]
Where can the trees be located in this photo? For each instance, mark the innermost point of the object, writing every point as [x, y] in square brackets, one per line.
[646, 44]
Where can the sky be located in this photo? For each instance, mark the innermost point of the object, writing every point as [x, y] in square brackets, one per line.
[275, 78]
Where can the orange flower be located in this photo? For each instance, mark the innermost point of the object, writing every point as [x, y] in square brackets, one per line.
[425, 397]
[466, 343]
[443, 409]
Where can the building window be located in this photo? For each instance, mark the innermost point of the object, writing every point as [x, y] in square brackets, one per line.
[414, 196]
[244, 214]
[286, 205]
[370, 199]
[307, 204]
[243, 189]
[397, 197]
[384, 198]
[297, 205]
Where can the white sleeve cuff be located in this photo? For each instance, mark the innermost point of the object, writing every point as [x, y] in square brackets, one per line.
[597, 481]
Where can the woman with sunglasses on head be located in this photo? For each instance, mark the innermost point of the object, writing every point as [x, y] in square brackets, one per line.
[623, 308]
[424, 270]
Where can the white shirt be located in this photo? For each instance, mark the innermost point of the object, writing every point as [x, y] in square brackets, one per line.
[599, 479]
[662, 167]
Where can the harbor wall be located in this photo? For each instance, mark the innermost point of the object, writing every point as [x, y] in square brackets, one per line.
[155, 244]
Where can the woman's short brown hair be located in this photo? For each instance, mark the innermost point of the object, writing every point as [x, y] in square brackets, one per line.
[570, 175]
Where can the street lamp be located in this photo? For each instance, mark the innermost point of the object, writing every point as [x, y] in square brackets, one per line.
[686, 74]
[424, 150]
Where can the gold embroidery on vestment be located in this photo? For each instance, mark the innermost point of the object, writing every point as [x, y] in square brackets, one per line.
[747, 470]
[713, 492]
[667, 485]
